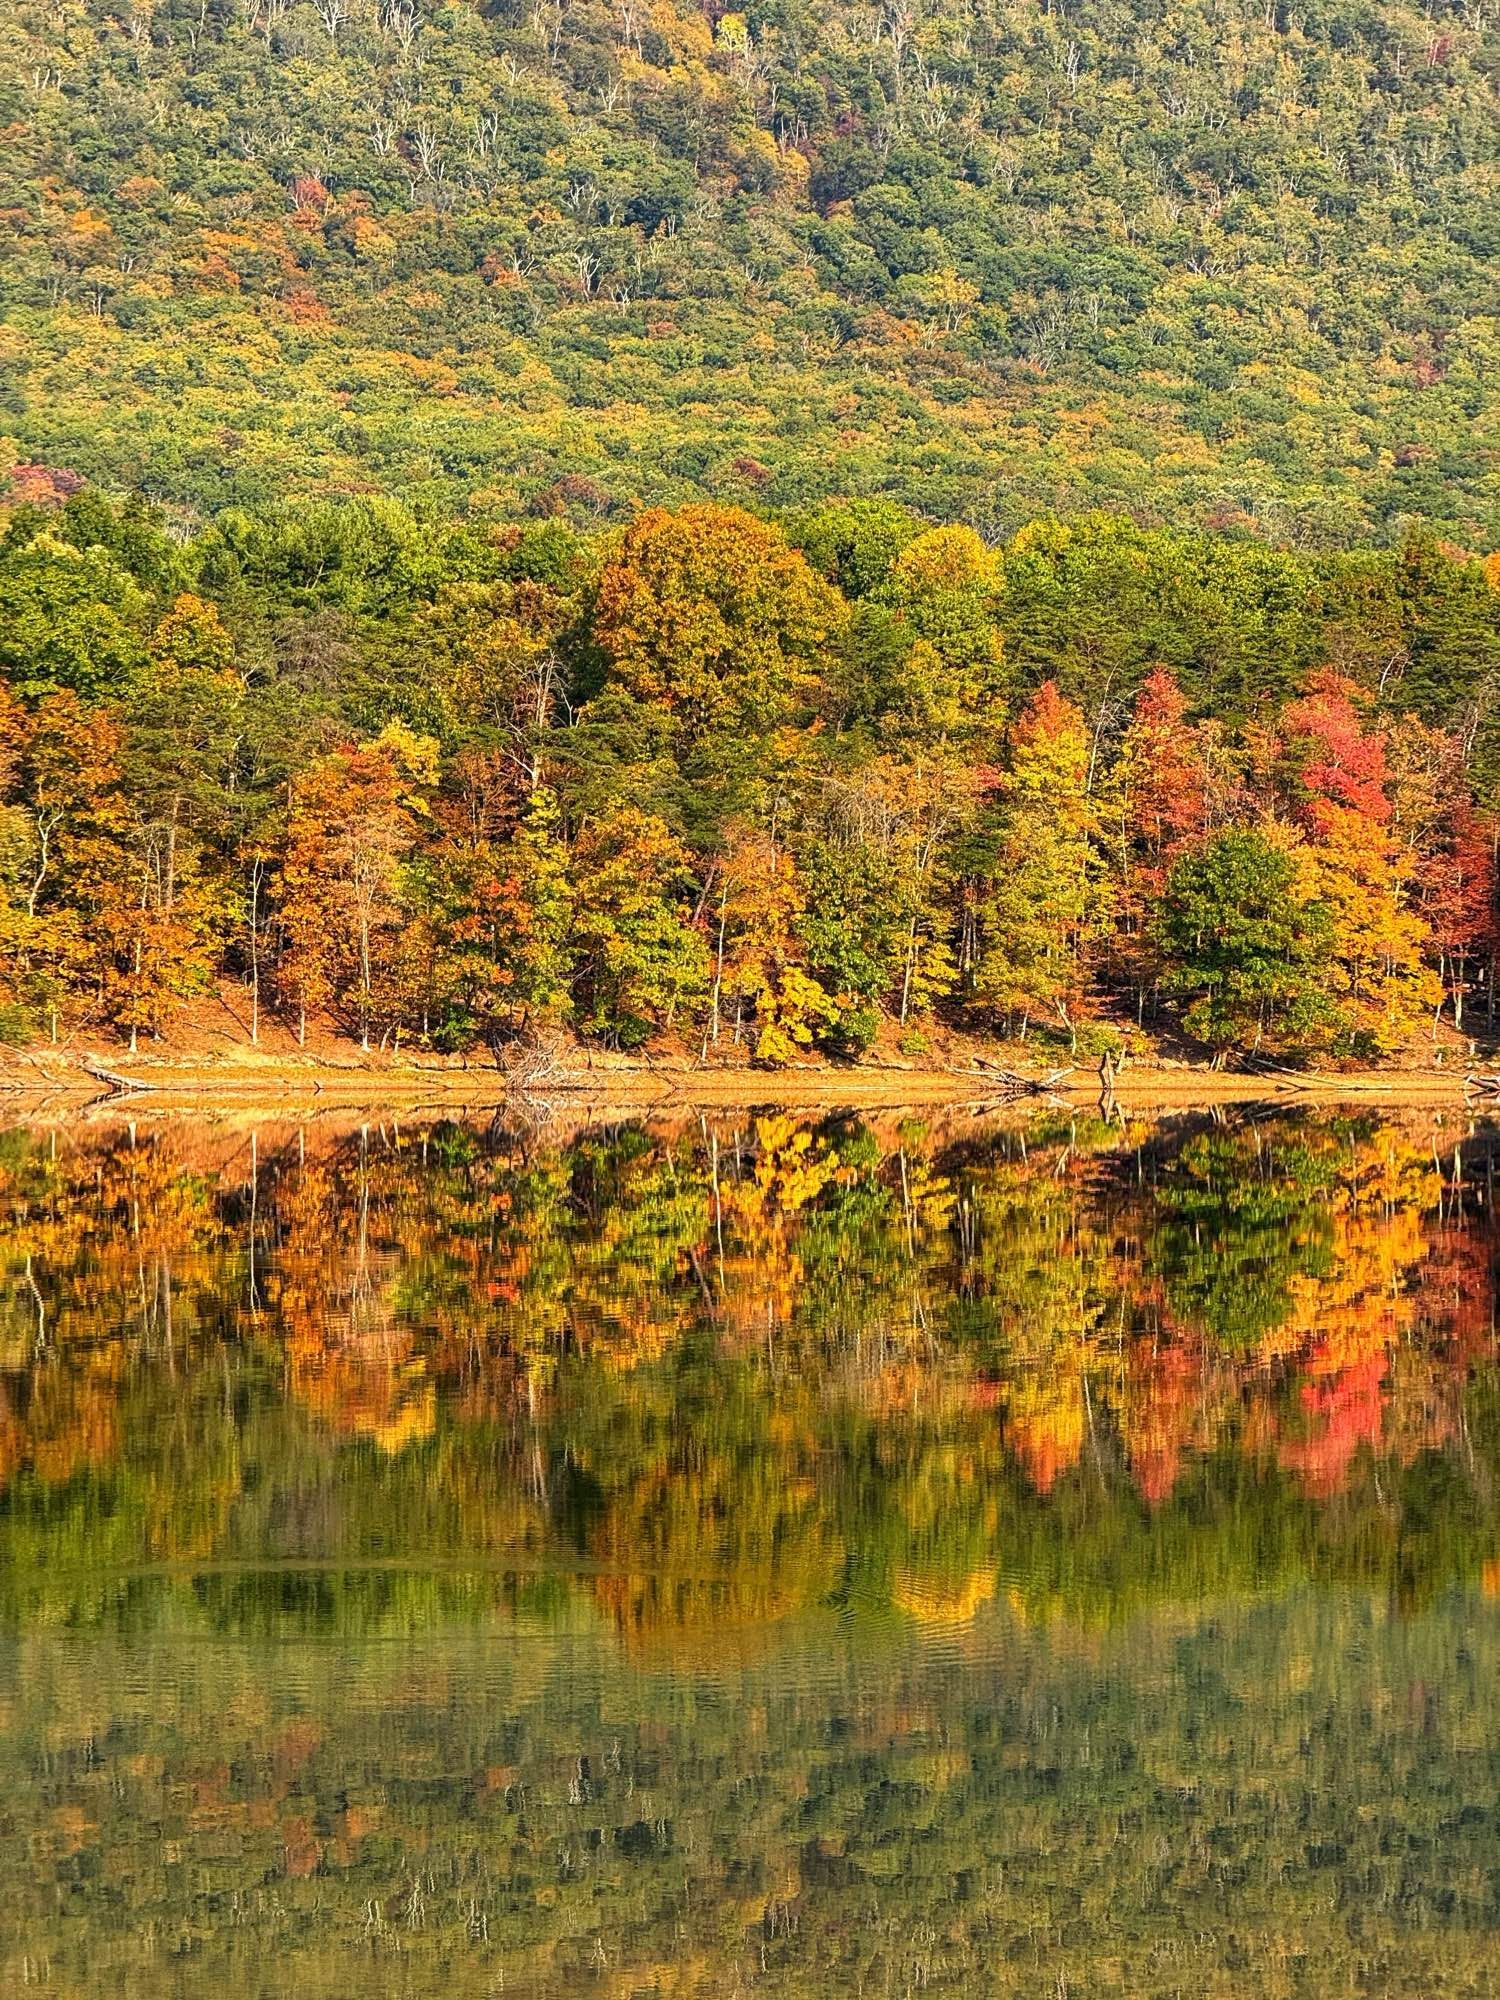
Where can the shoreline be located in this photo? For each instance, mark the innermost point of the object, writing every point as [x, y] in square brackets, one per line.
[29, 1084]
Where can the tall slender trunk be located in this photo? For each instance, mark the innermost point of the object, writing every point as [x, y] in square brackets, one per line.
[712, 1033]
[45, 825]
[255, 879]
[169, 887]
[136, 969]
[906, 977]
[365, 984]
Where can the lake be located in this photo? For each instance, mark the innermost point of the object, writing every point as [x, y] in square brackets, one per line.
[751, 1555]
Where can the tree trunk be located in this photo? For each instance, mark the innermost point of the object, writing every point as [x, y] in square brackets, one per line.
[906, 977]
[255, 875]
[712, 1032]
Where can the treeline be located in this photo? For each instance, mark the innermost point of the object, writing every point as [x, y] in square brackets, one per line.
[761, 786]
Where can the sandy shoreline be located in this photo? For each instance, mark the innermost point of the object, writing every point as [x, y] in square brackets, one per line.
[50, 1086]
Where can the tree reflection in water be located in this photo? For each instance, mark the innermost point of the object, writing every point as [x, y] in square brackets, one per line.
[858, 1556]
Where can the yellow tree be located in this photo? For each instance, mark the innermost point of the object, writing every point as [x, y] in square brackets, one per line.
[1041, 898]
[759, 953]
[1338, 774]
[711, 614]
[945, 586]
[1377, 974]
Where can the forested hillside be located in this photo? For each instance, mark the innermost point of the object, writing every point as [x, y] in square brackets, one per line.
[1229, 262]
[757, 787]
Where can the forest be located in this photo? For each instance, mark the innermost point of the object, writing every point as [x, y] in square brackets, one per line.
[1231, 260]
[744, 786]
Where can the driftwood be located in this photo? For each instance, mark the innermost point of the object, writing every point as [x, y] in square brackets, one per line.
[1005, 1086]
[119, 1084]
[528, 1065]
[1280, 1074]
[1476, 1085]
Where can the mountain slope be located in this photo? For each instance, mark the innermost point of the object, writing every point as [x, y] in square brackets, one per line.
[1224, 262]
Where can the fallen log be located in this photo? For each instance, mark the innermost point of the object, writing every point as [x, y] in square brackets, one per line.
[117, 1082]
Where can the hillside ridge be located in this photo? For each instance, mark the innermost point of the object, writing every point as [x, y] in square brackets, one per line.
[1229, 264]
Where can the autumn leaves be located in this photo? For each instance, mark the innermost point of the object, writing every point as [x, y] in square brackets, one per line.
[748, 789]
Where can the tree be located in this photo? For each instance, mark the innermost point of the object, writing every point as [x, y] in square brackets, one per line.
[1450, 850]
[1159, 790]
[65, 829]
[879, 921]
[192, 638]
[1041, 899]
[1458, 900]
[495, 907]
[1375, 972]
[855, 543]
[184, 717]
[1338, 778]
[712, 614]
[1453, 637]
[69, 619]
[157, 937]
[354, 818]
[759, 954]
[1244, 942]
[1331, 762]
[492, 653]
[945, 588]
[639, 955]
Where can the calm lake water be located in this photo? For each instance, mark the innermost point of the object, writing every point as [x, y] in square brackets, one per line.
[751, 1557]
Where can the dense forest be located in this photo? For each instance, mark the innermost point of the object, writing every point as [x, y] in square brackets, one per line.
[1230, 261]
[743, 786]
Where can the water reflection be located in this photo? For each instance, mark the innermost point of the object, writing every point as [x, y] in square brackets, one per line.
[762, 1555]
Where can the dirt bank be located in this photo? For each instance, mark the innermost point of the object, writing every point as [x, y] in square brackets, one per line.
[56, 1080]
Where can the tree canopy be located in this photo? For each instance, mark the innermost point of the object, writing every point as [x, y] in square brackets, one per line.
[757, 786]
[1230, 260]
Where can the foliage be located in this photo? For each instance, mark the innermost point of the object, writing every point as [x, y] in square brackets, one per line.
[1246, 941]
[771, 790]
[1040, 901]
[562, 262]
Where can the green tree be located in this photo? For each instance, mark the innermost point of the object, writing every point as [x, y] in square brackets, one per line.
[69, 618]
[1244, 944]
[639, 956]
